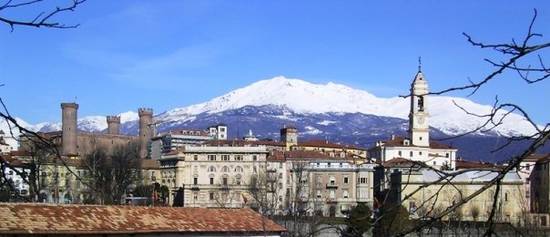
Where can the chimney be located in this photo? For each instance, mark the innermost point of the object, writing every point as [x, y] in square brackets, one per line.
[145, 130]
[113, 125]
[69, 128]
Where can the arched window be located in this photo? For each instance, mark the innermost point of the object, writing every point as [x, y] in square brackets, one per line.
[225, 169]
[211, 169]
[239, 169]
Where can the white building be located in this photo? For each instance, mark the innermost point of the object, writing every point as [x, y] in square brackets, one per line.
[4, 146]
[218, 132]
[417, 146]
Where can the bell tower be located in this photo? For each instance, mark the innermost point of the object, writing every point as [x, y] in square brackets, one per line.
[419, 129]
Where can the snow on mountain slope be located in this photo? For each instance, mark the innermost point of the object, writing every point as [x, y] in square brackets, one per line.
[89, 123]
[304, 97]
[298, 96]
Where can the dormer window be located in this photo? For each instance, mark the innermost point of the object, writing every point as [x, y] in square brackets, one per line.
[406, 142]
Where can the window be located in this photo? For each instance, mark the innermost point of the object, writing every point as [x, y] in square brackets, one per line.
[505, 197]
[195, 157]
[420, 138]
[211, 196]
[346, 180]
[435, 163]
[419, 153]
[195, 196]
[211, 180]
[224, 180]
[332, 194]
[211, 169]
[363, 180]
[345, 194]
[447, 155]
[399, 153]
[225, 169]
[319, 193]
[195, 181]
[225, 157]
[254, 157]
[238, 157]
[212, 157]
[222, 129]
[239, 169]
[411, 154]
[332, 180]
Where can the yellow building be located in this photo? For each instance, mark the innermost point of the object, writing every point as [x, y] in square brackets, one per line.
[425, 193]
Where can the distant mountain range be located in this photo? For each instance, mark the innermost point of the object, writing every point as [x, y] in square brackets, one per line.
[331, 111]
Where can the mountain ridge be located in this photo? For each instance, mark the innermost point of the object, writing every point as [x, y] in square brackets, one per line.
[295, 99]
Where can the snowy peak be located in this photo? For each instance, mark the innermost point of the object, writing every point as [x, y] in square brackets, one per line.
[304, 98]
[309, 98]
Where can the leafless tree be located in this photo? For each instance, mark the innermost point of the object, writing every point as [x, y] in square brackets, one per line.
[110, 175]
[44, 150]
[516, 57]
[44, 19]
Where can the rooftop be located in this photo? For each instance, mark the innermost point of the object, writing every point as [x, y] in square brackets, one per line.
[26, 218]
[397, 141]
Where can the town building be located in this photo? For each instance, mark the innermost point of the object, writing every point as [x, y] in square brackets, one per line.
[172, 140]
[20, 219]
[212, 176]
[425, 192]
[4, 146]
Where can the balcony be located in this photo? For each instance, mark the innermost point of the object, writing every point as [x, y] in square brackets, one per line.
[195, 188]
[224, 187]
[331, 200]
[332, 186]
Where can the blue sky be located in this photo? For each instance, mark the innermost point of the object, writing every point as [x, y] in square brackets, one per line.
[165, 54]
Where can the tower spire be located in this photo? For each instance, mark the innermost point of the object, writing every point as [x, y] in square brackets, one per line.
[419, 64]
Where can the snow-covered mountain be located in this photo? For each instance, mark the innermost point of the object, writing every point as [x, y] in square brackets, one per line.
[307, 98]
[329, 110]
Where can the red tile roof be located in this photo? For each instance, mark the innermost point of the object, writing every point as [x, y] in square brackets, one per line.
[401, 163]
[464, 164]
[327, 144]
[25, 218]
[539, 158]
[397, 141]
[243, 143]
[302, 155]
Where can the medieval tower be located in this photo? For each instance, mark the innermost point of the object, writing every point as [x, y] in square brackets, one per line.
[289, 136]
[419, 128]
[113, 125]
[145, 130]
[69, 129]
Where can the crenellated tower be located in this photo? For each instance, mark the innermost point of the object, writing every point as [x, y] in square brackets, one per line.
[113, 125]
[69, 129]
[145, 130]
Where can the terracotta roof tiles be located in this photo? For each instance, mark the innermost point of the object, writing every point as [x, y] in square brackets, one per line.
[25, 218]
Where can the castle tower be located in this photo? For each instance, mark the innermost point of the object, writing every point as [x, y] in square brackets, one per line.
[419, 128]
[145, 130]
[69, 129]
[113, 125]
[289, 136]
